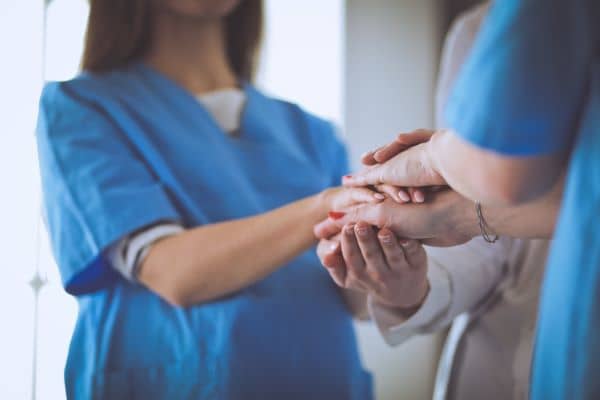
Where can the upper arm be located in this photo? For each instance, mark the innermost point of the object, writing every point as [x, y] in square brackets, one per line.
[96, 188]
[520, 93]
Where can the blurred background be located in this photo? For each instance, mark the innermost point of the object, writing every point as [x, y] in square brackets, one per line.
[368, 65]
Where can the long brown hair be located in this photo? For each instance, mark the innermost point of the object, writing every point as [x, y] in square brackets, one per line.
[120, 32]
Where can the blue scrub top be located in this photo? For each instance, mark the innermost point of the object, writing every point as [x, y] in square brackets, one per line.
[532, 87]
[129, 148]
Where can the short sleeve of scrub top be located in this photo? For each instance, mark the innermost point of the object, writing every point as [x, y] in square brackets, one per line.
[90, 175]
[509, 98]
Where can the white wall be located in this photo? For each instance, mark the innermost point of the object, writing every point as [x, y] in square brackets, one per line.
[391, 59]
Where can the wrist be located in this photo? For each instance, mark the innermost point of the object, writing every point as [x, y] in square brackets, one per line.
[468, 223]
[432, 150]
[320, 205]
[404, 310]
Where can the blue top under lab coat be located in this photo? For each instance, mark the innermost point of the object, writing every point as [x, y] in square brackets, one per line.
[129, 148]
[532, 87]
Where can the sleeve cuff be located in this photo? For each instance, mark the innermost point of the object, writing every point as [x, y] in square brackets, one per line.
[396, 329]
[128, 253]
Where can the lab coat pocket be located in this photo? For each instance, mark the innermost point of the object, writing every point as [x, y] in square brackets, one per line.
[187, 379]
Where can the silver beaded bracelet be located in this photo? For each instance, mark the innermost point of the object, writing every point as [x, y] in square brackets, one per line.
[484, 227]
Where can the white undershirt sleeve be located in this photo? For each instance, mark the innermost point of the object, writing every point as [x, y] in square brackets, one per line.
[395, 329]
[128, 254]
[460, 279]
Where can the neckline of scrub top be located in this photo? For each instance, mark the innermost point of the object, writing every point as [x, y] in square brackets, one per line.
[247, 130]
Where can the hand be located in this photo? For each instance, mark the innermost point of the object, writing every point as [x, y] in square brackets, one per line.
[338, 198]
[402, 195]
[377, 264]
[412, 166]
[402, 142]
[446, 219]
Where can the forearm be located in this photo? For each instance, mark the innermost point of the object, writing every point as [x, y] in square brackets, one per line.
[210, 261]
[532, 220]
[488, 177]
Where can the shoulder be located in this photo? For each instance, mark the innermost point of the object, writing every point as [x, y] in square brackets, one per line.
[464, 28]
[85, 90]
[316, 135]
[87, 98]
[298, 117]
[467, 24]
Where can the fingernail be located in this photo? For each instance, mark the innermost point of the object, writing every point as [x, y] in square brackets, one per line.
[419, 197]
[366, 154]
[379, 196]
[387, 239]
[404, 242]
[347, 177]
[349, 229]
[361, 230]
[336, 215]
[333, 247]
[403, 196]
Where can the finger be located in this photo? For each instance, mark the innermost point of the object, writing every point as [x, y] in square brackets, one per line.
[357, 195]
[351, 252]
[367, 158]
[327, 228]
[373, 214]
[394, 255]
[416, 195]
[399, 195]
[414, 253]
[389, 151]
[364, 195]
[375, 175]
[402, 142]
[371, 251]
[415, 137]
[339, 276]
[327, 251]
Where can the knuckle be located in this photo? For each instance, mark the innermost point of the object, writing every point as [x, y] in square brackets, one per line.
[395, 259]
[377, 276]
[379, 213]
[370, 253]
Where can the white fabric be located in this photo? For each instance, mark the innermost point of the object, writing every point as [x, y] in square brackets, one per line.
[434, 307]
[460, 278]
[129, 253]
[226, 107]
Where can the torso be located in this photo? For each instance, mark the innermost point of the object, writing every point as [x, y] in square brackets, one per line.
[288, 335]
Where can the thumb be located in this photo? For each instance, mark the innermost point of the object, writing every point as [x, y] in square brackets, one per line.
[374, 175]
[326, 229]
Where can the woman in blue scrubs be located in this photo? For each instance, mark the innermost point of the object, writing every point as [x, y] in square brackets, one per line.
[180, 203]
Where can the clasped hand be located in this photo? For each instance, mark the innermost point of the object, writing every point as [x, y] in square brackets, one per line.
[376, 248]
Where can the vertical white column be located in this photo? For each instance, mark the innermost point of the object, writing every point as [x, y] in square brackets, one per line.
[391, 62]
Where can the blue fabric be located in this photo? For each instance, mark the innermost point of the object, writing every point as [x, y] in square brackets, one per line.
[522, 89]
[532, 86]
[125, 149]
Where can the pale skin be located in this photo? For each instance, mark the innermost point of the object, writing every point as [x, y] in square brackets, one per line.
[445, 219]
[446, 159]
[211, 261]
